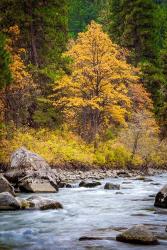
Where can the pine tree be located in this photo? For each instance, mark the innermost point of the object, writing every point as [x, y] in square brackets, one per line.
[134, 27]
[82, 12]
[5, 73]
[163, 107]
[117, 22]
[139, 28]
[43, 26]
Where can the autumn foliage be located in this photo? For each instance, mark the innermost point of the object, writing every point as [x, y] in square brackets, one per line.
[104, 113]
[14, 96]
[95, 94]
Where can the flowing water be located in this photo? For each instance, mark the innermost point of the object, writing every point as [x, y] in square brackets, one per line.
[87, 212]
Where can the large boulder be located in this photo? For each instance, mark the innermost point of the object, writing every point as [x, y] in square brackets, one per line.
[36, 202]
[111, 186]
[8, 202]
[35, 185]
[5, 186]
[138, 234]
[25, 159]
[161, 198]
[30, 168]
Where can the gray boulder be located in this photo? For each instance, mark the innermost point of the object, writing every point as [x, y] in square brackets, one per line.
[25, 159]
[36, 202]
[111, 186]
[28, 167]
[36, 185]
[8, 202]
[5, 186]
[138, 234]
[161, 198]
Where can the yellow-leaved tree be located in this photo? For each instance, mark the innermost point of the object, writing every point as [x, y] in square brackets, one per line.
[95, 95]
[15, 98]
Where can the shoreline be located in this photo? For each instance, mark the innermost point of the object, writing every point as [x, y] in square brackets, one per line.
[73, 175]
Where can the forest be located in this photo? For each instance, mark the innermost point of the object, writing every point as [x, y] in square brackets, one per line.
[83, 124]
[84, 81]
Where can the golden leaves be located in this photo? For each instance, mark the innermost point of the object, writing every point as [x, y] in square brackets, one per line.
[98, 86]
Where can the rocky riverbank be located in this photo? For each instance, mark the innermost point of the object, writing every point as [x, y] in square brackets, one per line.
[29, 172]
[70, 176]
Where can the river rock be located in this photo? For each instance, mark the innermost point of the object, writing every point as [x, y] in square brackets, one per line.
[8, 202]
[124, 174]
[111, 186]
[138, 234]
[28, 167]
[68, 185]
[161, 198]
[5, 186]
[89, 184]
[35, 185]
[36, 202]
[140, 178]
[24, 204]
[25, 159]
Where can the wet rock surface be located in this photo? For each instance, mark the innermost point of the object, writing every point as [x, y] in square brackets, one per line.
[161, 198]
[41, 203]
[138, 234]
[89, 184]
[111, 186]
[8, 202]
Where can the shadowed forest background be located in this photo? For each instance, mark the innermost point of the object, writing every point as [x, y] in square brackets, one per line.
[84, 81]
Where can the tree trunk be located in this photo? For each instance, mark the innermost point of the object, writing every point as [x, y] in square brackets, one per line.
[34, 53]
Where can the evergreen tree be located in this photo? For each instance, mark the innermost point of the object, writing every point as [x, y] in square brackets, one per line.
[5, 74]
[116, 24]
[43, 26]
[82, 12]
[139, 28]
[163, 107]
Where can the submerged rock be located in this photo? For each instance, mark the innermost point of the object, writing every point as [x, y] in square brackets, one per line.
[140, 178]
[111, 186]
[124, 174]
[161, 198]
[68, 185]
[138, 234]
[119, 193]
[89, 184]
[43, 203]
[5, 186]
[8, 202]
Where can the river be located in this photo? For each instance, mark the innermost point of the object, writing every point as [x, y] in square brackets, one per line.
[87, 212]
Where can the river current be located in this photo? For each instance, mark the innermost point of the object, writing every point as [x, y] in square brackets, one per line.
[88, 212]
